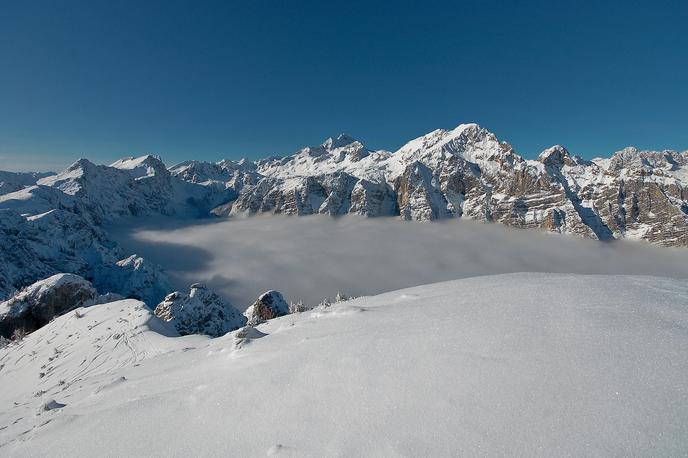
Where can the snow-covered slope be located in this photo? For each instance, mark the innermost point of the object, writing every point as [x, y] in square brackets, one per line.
[14, 181]
[44, 231]
[56, 225]
[518, 365]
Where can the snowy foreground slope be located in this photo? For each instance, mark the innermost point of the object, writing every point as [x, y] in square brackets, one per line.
[520, 364]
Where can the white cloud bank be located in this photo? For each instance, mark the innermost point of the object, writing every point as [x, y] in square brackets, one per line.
[310, 258]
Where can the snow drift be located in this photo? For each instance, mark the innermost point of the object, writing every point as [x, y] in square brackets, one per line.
[520, 365]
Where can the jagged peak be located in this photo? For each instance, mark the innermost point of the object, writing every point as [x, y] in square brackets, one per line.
[632, 151]
[629, 150]
[463, 134]
[132, 162]
[556, 156]
[468, 129]
[632, 157]
[81, 163]
[183, 164]
[75, 172]
[341, 141]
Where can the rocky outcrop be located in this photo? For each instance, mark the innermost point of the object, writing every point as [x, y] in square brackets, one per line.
[269, 305]
[201, 311]
[36, 305]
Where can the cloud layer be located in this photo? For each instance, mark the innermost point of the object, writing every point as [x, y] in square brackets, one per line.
[310, 258]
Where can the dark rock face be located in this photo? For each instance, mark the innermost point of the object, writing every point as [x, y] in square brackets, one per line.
[37, 304]
[269, 305]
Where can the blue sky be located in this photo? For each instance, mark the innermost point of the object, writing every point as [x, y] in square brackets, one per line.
[211, 80]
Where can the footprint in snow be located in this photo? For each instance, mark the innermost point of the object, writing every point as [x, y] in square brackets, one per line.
[277, 449]
[110, 385]
[406, 297]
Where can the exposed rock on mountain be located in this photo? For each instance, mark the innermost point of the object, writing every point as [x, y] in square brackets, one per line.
[199, 312]
[269, 305]
[468, 172]
[37, 304]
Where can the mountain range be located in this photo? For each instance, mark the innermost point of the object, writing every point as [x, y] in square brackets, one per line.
[466, 172]
[56, 223]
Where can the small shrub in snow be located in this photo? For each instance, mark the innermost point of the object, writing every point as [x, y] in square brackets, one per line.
[327, 302]
[341, 297]
[19, 334]
[298, 307]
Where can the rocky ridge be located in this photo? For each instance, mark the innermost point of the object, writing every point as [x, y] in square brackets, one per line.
[467, 172]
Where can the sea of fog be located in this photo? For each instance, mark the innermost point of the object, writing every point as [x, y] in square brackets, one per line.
[315, 257]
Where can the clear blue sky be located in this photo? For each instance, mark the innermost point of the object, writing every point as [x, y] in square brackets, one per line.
[207, 80]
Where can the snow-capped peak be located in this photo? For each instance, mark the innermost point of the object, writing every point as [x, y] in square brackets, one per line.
[463, 133]
[555, 156]
[469, 142]
[132, 162]
[142, 166]
[341, 141]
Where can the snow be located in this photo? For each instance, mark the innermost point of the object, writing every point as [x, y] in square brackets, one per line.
[521, 364]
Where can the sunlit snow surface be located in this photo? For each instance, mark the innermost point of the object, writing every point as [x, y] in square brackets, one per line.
[517, 365]
[310, 258]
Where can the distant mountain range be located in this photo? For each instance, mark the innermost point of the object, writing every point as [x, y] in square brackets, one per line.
[53, 223]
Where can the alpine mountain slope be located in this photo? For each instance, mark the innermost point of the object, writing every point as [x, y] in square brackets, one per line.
[466, 172]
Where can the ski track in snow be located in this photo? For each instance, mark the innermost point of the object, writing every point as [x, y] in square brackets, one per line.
[519, 364]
